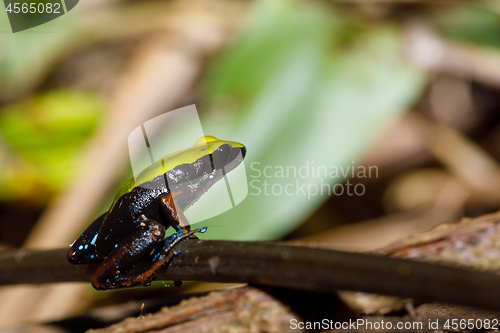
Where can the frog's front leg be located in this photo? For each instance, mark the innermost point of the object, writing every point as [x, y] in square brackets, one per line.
[175, 215]
[110, 275]
[128, 252]
[82, 251]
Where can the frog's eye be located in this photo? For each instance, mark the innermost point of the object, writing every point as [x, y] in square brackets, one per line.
[224, 153]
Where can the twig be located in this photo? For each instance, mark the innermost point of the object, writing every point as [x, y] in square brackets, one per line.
[281, 265]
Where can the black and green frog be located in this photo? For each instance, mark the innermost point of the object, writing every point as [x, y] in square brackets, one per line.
[132, 231]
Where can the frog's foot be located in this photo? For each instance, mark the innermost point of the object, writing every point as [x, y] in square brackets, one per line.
[185, 233]
[82, 251]
[113, 278]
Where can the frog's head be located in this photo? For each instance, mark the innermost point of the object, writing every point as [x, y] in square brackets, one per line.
[208, 156]
[197, 168]
[225, 155]
[205, 163]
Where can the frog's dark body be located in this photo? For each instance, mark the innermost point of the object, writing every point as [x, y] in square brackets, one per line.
[145, 200]
[133, 229]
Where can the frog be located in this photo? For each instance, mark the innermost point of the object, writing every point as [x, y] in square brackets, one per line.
[129, 241]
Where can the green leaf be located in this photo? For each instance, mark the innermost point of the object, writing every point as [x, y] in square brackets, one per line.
[471, 23]
[308, 90]
[45, 135]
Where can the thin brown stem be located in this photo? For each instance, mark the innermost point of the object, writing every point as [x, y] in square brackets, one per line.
[280, 265]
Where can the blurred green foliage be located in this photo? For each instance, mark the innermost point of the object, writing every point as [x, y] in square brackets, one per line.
[472, 23]
[43, 138]
[27, 56]
[301, 85]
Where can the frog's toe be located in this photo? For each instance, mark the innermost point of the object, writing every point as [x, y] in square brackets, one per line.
[84, 254]
[77, 259]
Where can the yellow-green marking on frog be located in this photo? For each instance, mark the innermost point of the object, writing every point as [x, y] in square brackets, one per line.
[202, 147]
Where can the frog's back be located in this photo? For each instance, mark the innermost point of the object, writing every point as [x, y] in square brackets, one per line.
[138, 200]
[129, 207]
